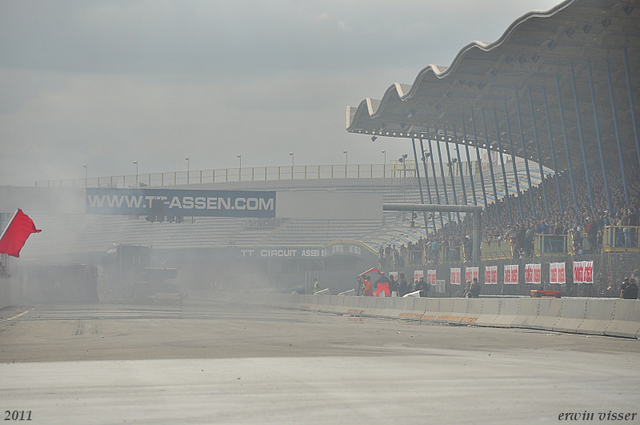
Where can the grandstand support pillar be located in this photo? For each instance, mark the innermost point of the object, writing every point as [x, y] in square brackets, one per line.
[475, 210]
[513, 157]
[426, 179]
[464, 190]
[553, 152]
[566, 145]
[614, 114]
[524, 151]
[493, 177]
[504, 174]
[476, 235]
[631, 103]
[435, 176]
[596, 119]
[415, 156]
[580, 135]
[537, 141]
[475, 141]
[466, 147]
[442, 176]
[451, 169]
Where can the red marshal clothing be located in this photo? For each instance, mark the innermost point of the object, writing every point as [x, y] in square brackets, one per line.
[368, 289]
[383, 287]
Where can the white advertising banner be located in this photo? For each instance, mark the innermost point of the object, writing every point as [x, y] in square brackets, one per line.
[557, 274]
[491, 275]
[532, 273]
[431, 277]
[511, 274]
[470, 273]
[455, 276]
[583, 271]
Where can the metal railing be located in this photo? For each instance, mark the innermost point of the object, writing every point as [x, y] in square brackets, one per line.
[496, 250]
[395, 169]
[614, 239]
[620, 238]
[549, 245]
[452, 254]
[422, 257]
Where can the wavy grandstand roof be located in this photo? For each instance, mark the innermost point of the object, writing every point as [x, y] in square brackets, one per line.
[588, 47]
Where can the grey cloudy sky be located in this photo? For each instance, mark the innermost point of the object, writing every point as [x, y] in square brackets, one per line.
[105, 83]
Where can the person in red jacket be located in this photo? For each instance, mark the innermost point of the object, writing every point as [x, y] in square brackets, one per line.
[368, 287]
[382, 286]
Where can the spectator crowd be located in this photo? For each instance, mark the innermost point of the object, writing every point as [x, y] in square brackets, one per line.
[584, 221]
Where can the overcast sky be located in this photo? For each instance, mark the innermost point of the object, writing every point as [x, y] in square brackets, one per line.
[106, 83]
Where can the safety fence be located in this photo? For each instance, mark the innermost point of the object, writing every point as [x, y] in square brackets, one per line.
[592, 316]
[448, 254]
[611, 239]
[394, 169]
[620, 238]
[496, 250]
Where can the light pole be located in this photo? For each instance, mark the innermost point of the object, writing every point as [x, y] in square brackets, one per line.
[86, 174]
[453, 162]
[346, 162]
[403, 161]
[136, 163]
[239, 167]
[188, 167]
[293, 163]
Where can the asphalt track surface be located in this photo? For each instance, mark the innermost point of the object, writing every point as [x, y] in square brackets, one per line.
[213, 363]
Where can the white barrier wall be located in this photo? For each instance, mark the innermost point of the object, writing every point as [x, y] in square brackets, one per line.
[601, 316]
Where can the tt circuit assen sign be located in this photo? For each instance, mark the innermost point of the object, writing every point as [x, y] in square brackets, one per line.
[175, 202]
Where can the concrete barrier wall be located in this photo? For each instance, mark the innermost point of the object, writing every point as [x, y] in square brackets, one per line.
[626, 319]
[549, 313]
[489, 311]
[474, 310]
[572, 315]
[527, 312]
[384, 307]
[407, 307]
[419, 308]
[613, 317]
[355, 306]
[432, 306]
[596, 316]
[397, 307]
[507, 312]
[465, 310]
[445, 308]
[369, 306]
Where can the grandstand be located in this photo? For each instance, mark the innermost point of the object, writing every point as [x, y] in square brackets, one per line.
[557, 89]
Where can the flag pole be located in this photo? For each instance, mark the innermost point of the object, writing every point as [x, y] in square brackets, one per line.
[9, 225]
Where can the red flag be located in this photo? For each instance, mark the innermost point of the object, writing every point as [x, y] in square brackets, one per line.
[15, 235]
